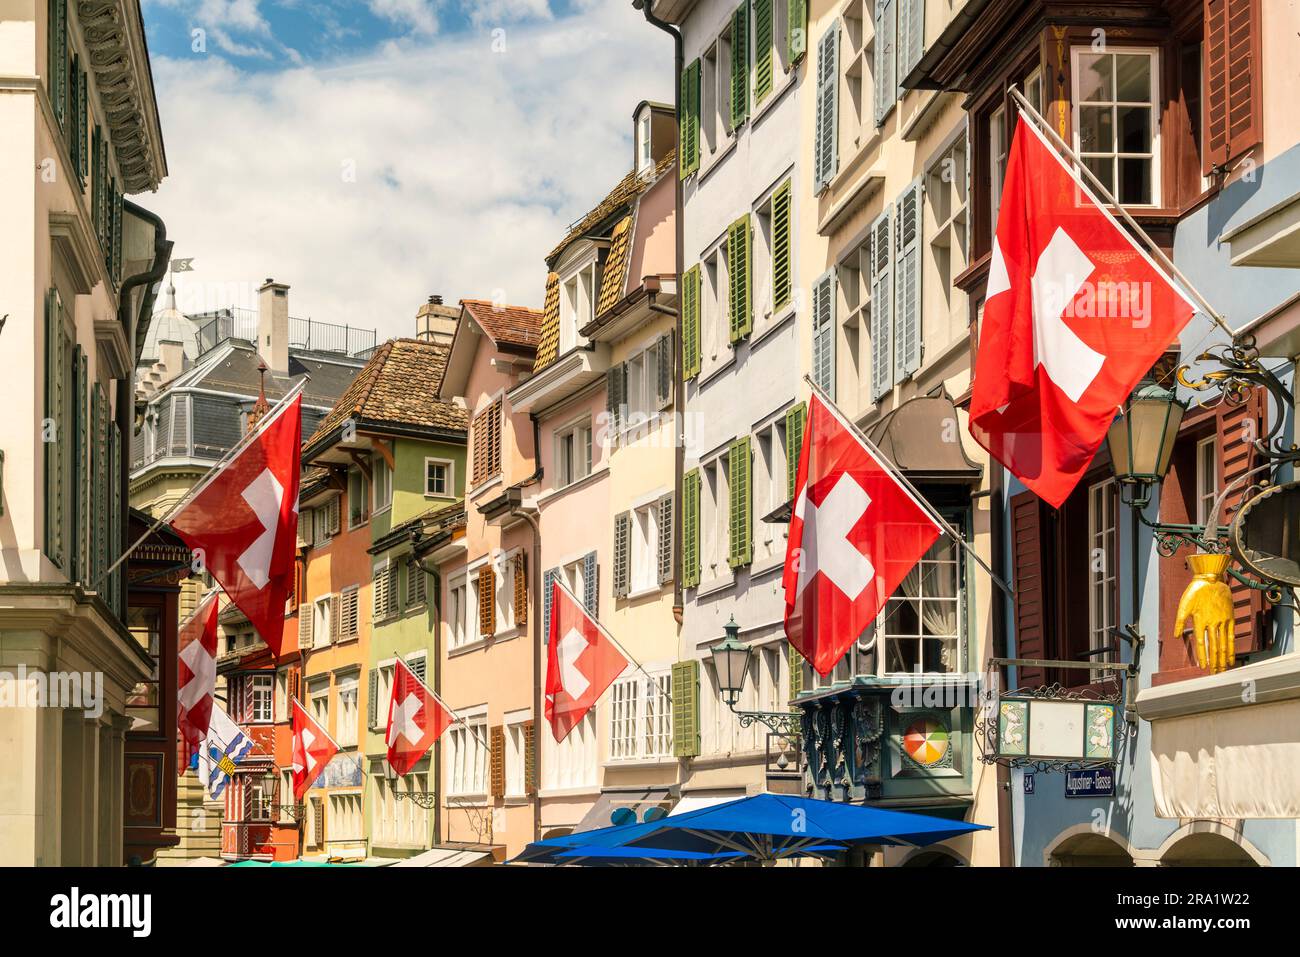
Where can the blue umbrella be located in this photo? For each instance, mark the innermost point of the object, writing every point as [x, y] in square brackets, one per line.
[587, 854]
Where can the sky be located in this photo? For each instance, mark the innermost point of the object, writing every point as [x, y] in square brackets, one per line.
[371, 153]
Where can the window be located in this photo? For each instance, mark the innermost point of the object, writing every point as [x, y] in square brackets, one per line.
[773, 250]
[997, 165]
[399, 823]
[357, 510]
[920, 626]
[381, 693]
[640, 387]
[416, 585]
[318, 700]
[1207, 478]
[715, 530]
[579, 292]
[573, 763]
[349, 613]
[720, 730]
[573, 453]
[349, 712]
[468, 759]
[516, 759]
[506, 583]
[286, 797]
[263, 699]
[714, 306]
[772, 463]
[641, 721]
[385, 597]
[947, 236]
[321, 622]
[383, 482]
[460, 623]
[1103, 593]
[1115, 121]
[282, 695]
[260, 797]
[345, 823]
[486, 437]
[644, 155]
[439, 478]
[643, 547]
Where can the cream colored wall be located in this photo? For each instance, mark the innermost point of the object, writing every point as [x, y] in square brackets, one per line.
[1281, 82]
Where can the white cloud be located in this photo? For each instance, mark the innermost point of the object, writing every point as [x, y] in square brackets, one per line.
[469, 165]
[419, 15]
[483, 12]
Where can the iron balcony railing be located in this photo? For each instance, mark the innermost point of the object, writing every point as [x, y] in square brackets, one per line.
[307, 335]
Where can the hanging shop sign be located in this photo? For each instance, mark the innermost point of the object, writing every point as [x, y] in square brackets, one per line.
[1265, 534]
[1090, 782]
[1033, 730]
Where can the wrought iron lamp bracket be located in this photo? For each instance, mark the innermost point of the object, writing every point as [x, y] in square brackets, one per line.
[425, 799]
[295, 811]
[778, 722]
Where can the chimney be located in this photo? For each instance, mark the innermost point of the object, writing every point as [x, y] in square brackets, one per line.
[436, 323]
[171, 355]
[273, 326]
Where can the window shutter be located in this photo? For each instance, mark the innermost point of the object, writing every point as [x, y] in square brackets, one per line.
[691, 322]
[795, 662]
[1237, 427]
[688, 123]
[56, 53]
[416, 584]
[882, 347]
[908, 311]
[497, 740]
[487, 606]
[319, 821]
[622, 545]
[664, 364]
[548, 589]
[116, 269]
[79, 117]
[590, 580]
[374, 698]
[686, 709]
[763, 60]
[390, 590]
[521, 588]
[826, 137]
[740, 65]
[351, 613]
[911, 37]
[1028, 565]
[665, 544]
[79, 485]
[293, 684]
[306, 614]
[823, 357]
[691, 528]
[738, 249]
[336, 619]
[419, 667]
[332, 511]
[741, 551]
[794, 422]
[886, 79]
[247, 683]
[615, 394]
[304, 527]
[782, 288]
[530, 757]
[1233, 73]
[796, 29]
[56, 448]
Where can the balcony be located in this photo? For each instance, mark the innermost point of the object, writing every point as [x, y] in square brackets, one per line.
[305, 335]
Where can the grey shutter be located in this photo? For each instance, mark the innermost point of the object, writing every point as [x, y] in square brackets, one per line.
[418, 667]
[390, 590]
[826, 136]
[886, 78]
[665, 538]
[589, 581]
[622, 553]
[882, 300]
[548, 581]
[664, 360]
[374, 698]
[615, 394]
[180, 431]
[334, 515]
[911, 37]
[823, 357]
[907, 314]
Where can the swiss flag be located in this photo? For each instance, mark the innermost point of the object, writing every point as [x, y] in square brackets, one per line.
[312, 750]
[1075, 314]
[244, 521]
[416, 719]
[196, 678]
[581, 662]
[855, 533]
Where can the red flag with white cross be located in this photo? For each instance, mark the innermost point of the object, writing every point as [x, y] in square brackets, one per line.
[1075, 314]
[243, 522]
[855, 533]
[312, 750]
[416, 719]
[196, 678]
[581, 662]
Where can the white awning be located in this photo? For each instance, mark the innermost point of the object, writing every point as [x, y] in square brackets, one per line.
[447, 857]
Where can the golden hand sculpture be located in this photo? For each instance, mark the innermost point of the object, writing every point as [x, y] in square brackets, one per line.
[1208, 600]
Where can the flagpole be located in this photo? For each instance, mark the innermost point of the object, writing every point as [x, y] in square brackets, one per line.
[903, 480]
[207, 478]
[605, 631]
[1028, 108]
[456, 717]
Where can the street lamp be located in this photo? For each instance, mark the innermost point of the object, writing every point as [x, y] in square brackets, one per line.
[1141, 440]
[731, 658]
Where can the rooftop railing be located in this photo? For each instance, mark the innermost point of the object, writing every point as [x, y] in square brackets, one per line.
[307, 335]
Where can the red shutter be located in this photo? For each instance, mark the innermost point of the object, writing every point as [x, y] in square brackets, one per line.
[1238, 427]
[1233, 69]
[1028, 567]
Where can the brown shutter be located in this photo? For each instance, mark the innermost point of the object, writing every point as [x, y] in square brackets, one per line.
[480, 447]
[487, 605]
[1239, 426]
[521, 589]
[497, 742]
[336, 623]
[320, 823]
[530, 757]
[1233, 70]
[1027, 556]
[291, 685]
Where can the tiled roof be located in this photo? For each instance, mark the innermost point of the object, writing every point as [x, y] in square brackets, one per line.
[398, 385]
[629, 188]
[614, 277]
[510, 325]
[549, 347]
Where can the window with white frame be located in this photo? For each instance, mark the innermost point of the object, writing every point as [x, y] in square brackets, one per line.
[579, 292]
[643, 549]
[997, 164]
[286, 797]
[853, 306]
[1207, 478]
[1103, 575]
[505, 592]
[320, 635]
[715, 511]
[345, 824]
[468, 758]
[318, 700]
[349, 712]
[644, 151]
[573, 452]
[920, 625]
[574, 575]
[720, 730]
[399, 823]
[357, 510]
[773, 248]
[462, 616]
[572, 764]
[282, 695]
[263, 697]
[378, 708]
[1115, 120]
[945, 230]
[770, 487]
[715, 95]
[640, 716]
[261, 795]
[643, 384]
[516, 758]
[383, 476]
[439, 478]
[715, 336]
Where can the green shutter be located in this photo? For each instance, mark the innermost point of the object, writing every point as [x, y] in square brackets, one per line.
[781, 273]
[116, 516]
[797, 29]
[738, 267]
[796, 671]
[691, 322]
[52, 430]
[116, 239]
[686, 709]
[794, 420]
[688, 122]
[100, 470]
[691, 528]
[741, 551]
[740, 65]
[78, 486]
[763, 59]
[80, 115]
[56, 84]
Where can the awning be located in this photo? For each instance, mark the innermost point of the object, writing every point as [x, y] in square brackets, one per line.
[693, 803]
[447, 857]
[626, 807]
[923, 438]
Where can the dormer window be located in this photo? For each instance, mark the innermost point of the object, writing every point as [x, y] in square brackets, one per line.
[644, 154]
[579, 292]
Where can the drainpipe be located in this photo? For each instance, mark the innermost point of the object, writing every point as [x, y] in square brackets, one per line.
[162, 251]
[679, 386]
[535, 573]
[998, 545]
